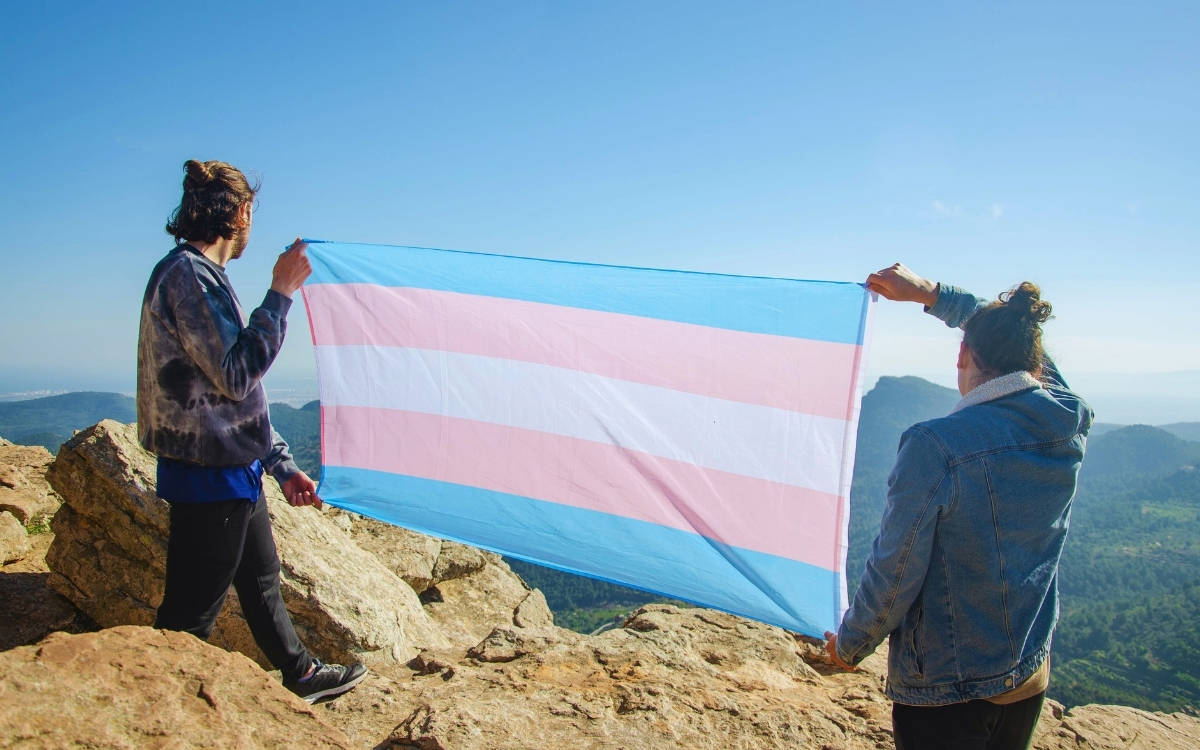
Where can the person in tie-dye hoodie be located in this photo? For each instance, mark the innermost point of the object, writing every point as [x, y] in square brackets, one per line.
[201, 407]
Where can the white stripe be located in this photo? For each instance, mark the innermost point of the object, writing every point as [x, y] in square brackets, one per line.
[758, 441]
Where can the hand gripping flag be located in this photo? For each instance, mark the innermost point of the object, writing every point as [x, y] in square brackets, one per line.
[689, 434]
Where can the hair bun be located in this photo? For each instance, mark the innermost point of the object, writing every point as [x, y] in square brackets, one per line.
[199, 174]
[1026, 300]
[211, 208]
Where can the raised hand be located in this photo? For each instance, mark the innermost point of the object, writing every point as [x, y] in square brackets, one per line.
[292, 268]
[898, 283]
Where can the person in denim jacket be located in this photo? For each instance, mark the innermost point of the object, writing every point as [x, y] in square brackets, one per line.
[963, 576]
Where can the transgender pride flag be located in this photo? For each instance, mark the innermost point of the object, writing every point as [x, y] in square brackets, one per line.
[685, 433]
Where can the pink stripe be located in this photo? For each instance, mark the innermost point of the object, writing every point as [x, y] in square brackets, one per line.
[799, 375]
[791, 522]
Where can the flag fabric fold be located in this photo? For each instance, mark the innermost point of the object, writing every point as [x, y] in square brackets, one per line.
[685, 433]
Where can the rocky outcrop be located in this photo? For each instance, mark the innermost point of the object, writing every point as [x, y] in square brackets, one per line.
[24, 491]
[467, 608]
[1115, 728]
[29, 608]
[409, 555]
[130, 687]
[466, 591]
[674, 678]
[14, 540]
[669, 678]
[109, 553]
[489, 671]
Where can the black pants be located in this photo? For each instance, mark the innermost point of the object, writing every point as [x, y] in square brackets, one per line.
[215, 544]
[974, 725]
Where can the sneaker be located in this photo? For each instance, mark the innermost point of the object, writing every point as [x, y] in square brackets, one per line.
[327, 680]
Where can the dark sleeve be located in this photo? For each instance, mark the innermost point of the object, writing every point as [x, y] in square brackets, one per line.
[233, 357]
[279, 462]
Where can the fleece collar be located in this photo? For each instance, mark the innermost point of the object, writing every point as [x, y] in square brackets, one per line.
[1005, 385]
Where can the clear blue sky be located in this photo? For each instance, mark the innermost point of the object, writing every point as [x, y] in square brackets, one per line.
[980, 143]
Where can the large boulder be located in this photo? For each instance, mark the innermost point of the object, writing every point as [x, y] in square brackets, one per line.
[24, 491]
[14, 540]
[109, 558]
[29, 608]
[133, 687]
[1114, 728]
[466, 591]
[411, 556]
[467, 608]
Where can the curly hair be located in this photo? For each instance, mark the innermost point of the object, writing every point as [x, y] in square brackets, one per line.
[1006, 335]
[213, 193]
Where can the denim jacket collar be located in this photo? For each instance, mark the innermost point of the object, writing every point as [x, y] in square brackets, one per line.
[1005, 385]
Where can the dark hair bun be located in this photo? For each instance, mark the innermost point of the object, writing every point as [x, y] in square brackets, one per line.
[1006, 335]
[199, 174]
[213, 195]
[1025, 299]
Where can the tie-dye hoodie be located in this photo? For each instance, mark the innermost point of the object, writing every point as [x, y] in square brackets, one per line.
[200, 398]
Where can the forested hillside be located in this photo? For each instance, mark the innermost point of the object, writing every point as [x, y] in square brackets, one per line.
[1130, 578]
[302, 429]
[51, 420]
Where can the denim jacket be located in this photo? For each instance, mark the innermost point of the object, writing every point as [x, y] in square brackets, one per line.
[964, 573]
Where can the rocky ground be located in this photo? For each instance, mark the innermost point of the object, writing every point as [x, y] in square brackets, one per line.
[463, 654]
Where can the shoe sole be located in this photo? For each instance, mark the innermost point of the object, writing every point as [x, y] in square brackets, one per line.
[334, 691]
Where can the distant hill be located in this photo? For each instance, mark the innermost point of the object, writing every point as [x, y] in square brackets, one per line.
[890, 408]
[51, 420]
[1137, 450]
[1100, 428]
[1185, 430]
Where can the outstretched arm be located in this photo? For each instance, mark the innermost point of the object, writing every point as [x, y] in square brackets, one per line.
[235, 357]
[949, 304]
[898, 283]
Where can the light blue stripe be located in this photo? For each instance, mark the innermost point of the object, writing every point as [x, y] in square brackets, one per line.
[678, 564]
[819, 310]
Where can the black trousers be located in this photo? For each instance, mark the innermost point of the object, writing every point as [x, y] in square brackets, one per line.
[974, 725]
[213, 545]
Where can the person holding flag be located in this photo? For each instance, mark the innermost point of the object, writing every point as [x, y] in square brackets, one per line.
[963, 576]
[201, 407]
